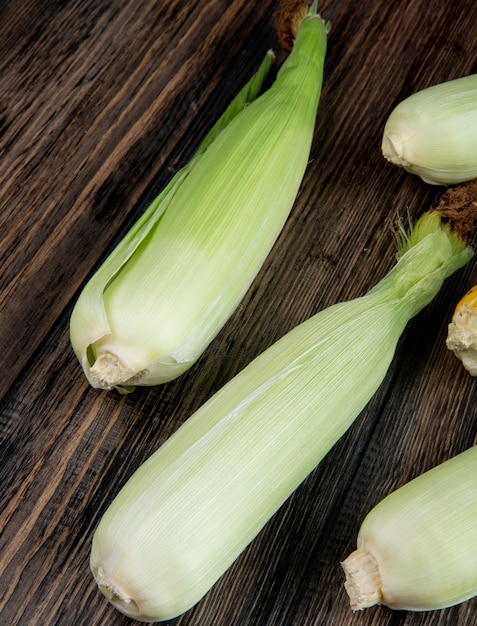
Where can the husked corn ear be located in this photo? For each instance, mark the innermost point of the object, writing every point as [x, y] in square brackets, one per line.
[417, 549]
[432, 132]
[162, 296]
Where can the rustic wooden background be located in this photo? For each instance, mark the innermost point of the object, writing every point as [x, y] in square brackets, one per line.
[101, 101]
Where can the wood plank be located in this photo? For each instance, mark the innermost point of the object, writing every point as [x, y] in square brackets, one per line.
[101, 103]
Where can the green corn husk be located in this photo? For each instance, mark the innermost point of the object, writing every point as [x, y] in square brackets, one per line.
[432, 132]
[188, 512]
[169, 287]
[417, 548]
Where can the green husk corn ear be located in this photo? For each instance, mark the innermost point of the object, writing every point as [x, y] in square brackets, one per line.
[432, 132]
[194, 505]
[165, 292]
[417, 549]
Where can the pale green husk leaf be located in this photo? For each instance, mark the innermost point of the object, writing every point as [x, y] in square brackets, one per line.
[432, 132]
[422, 540]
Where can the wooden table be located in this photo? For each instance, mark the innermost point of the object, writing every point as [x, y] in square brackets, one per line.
[101, 102]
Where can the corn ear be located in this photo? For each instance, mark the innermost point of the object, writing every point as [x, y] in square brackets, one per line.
[462, 331]
[194, 505]
[417, 549]
[162, 296]
[432, 132]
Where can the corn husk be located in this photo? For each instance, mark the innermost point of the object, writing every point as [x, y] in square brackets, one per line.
[417, 548]
[432, 132]
[195, 504]
[165, 292]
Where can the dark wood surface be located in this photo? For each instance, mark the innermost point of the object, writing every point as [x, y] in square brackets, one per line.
[101, 102]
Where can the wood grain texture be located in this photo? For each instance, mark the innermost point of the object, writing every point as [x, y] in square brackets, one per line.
[102, 101]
